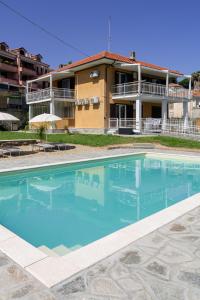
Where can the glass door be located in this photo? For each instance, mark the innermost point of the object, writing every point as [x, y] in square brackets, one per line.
[122, 111]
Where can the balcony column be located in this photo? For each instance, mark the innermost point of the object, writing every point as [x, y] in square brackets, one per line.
[165, 102]
[52, 107]
[138, 107]
[30, 112]
[138, 103]
[164, 113]
[185, 115]
[139, 79]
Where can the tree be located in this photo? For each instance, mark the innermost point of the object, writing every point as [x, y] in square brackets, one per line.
[195, 80]
[184, 83]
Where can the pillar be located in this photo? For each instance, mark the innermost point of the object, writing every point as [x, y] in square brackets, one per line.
[138, 104]
[139, 79]
[52, 108]
[164, 113]
[167, 83]
[30, 112]
[138, 116]
[185, 114]
[52, 105]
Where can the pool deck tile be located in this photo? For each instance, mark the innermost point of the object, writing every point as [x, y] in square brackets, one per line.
[21, 251]
[5, 234]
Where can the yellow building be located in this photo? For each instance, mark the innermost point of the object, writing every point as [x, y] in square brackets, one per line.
[108, 92]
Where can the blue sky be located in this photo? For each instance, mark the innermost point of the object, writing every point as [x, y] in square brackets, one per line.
[161, 32]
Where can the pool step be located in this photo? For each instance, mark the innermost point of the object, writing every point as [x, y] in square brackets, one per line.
[75, 247]
[61, 250]
[48, 251]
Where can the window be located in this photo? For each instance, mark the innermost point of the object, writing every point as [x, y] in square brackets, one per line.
[41, 108]
[69, 111]
[121, 78]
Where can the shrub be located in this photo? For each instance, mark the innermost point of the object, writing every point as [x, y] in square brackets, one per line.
[41, 132]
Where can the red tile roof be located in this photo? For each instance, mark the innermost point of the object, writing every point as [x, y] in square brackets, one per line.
[116, 57]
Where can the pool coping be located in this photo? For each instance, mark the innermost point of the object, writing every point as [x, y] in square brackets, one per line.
[53, 270]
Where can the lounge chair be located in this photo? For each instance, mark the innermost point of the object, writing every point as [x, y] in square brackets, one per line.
[11, 150]
[44, 146]
[62, 146]
[3, 152]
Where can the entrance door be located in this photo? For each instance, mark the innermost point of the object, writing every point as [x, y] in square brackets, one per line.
[156, 112]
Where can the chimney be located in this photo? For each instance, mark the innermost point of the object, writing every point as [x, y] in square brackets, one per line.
[132, 55]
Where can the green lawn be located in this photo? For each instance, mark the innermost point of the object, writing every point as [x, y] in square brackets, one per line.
[104, 140]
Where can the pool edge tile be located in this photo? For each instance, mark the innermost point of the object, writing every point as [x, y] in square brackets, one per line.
[21, 251]
[5, 234]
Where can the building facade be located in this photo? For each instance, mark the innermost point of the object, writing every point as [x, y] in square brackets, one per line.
[16, 67]
[107, 92]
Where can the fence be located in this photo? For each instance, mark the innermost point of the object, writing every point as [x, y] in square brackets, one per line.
[153, 125]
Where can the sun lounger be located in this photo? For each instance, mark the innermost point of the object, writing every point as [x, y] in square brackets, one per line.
[44, 146]
[3, 152]
[62, 146]
[11, 150]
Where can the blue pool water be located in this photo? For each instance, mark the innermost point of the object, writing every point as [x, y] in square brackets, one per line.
[80, 203]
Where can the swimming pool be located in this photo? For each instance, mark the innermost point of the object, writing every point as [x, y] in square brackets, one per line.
[74, 205]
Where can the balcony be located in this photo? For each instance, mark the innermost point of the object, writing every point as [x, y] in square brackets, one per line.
[29, 72]
[9, 81]
[49, 94]
[131, 90]
[8, 67]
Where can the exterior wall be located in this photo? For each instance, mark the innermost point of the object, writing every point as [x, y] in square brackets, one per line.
[91, 116]
[176, 110]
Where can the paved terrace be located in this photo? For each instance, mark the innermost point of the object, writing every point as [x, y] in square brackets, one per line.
[164, 265]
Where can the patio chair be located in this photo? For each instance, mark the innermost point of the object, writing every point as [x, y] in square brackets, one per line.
[44, 146]
[156, 126]
[62, 146]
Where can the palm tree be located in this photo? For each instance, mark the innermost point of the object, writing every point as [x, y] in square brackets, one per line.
[196, 79]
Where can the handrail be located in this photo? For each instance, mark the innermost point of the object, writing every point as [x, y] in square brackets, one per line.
[48, 93]
[149, 88]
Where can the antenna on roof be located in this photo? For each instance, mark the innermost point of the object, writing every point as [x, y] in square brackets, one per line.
[109, 33]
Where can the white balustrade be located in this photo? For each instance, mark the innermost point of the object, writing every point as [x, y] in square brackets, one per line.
[48, 94]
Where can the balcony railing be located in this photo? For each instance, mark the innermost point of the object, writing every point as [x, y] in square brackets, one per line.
[48, 94]
[28, 71]
[147, 88]
[8, 81]
[8, 67]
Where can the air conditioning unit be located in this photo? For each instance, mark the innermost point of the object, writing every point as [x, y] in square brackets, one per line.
[94, 74]
[86, 102]
[95, 100]
[79, 102]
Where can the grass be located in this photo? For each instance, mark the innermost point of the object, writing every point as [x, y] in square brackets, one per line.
[104, 140]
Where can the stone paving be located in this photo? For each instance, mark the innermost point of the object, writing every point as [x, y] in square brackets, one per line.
[164, 265]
